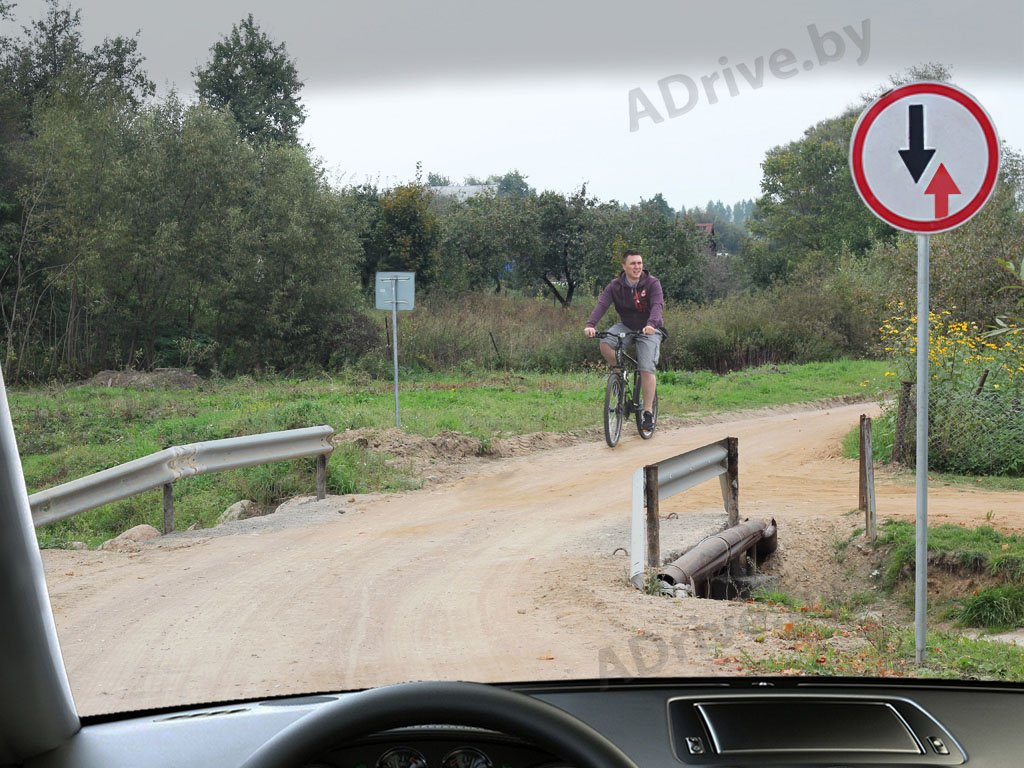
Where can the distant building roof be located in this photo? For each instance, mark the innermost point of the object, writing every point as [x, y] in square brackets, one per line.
[464, 191]
[709, 228]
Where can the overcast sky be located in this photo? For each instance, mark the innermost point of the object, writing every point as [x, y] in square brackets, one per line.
[553, 88]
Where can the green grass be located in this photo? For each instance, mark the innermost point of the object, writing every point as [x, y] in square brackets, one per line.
[996, 608]
[695, 392]
[834, 608]
[885, 651]
[979, 550]
[66, 432]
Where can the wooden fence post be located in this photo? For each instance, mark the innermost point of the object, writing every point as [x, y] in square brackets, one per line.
[862, 486]
[168, 508]
[730, 480]
[899, 444]
[321, 477]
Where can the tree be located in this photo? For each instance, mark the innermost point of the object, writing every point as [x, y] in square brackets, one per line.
[670, 246]
[403, 235]
[256, 81]
[51, 55]
[809, 210]
[512, 184]
[483, 240]
[562, 224]
[438, 180]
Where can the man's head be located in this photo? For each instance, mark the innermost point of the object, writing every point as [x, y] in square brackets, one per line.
[633, 264]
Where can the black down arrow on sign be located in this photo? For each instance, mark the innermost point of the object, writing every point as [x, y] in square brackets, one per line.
[917, 157]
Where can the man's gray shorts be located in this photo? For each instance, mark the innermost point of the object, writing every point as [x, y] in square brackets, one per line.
[648, 348]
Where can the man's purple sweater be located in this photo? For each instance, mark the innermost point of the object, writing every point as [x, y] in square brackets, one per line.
[637, 307]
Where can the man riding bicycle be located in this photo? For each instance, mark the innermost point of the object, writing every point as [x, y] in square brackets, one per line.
[639, 300]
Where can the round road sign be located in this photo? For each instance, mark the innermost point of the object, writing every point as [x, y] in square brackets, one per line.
[925, 157]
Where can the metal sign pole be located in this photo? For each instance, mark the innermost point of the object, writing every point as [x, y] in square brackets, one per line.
[921, 466]
[394, 343]
[919, 141]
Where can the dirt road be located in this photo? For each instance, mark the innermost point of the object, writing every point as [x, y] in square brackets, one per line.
[506, 574]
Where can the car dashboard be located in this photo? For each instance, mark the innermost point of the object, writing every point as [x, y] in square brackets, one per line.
[656, 723]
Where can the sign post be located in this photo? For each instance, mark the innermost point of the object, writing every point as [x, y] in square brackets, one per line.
[924, 158]
[395, 291]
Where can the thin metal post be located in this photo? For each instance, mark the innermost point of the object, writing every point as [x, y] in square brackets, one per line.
[168, 508]
[638, 532]
[394, 342]
[868, 467]
[651, 503]
[921, 468]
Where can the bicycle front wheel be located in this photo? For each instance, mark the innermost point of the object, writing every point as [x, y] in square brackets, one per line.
[613, 410]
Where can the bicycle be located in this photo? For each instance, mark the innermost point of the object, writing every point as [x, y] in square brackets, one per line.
[622, 395]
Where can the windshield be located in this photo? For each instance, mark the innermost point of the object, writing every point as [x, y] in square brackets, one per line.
[407, 223]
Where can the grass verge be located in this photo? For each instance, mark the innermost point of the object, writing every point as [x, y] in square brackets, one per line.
[66, 432]
[874, 650]
[980, 550]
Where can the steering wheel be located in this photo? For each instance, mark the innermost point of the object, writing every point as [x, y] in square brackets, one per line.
[436, 703]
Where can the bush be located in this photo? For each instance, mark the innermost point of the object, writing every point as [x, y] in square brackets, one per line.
[795, 323]
[486, 331]
[814, 320]
[999, 607]
[975, 414]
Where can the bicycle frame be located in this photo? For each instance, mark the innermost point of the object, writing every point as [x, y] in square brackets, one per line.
[623, 393]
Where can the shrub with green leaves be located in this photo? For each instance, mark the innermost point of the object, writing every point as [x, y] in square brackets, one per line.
[975, 418]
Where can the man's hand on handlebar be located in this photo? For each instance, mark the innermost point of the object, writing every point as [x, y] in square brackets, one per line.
[650, 330]
[590, 332]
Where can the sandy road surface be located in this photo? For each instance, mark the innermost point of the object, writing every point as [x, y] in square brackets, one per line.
[507, 574]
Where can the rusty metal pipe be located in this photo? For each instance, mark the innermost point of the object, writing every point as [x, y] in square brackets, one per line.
[769, 541]
[715, 552]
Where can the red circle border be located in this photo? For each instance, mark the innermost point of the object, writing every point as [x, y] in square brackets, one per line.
[860, 182]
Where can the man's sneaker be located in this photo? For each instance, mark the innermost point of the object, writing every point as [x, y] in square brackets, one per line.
[648, 421]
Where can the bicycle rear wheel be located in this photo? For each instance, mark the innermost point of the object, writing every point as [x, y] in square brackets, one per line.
[613, 410]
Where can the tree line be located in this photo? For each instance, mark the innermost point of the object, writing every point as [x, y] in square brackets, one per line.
[138, 231]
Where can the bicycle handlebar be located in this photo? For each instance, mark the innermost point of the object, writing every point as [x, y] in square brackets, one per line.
[624, 334]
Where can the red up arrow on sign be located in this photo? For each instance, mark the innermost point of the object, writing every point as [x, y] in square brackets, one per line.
[942, 186]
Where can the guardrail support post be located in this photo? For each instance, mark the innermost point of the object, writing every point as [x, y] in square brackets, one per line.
[321, 477]
[731, 480]
[651, 503]
[168, 508]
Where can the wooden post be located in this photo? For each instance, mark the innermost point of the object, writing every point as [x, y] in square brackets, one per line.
[168, 508]
[731, 480]
[899, 444]
[868, 463]
[651, 503]
[862, 495]
[321, 476]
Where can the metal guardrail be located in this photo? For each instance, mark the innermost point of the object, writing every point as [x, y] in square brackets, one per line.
[669, 477]
[165, 467]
